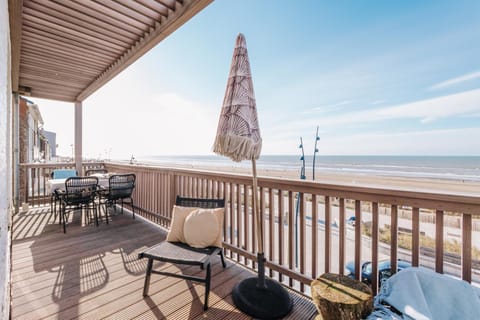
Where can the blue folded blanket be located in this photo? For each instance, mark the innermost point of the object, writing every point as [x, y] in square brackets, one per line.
[419, 293]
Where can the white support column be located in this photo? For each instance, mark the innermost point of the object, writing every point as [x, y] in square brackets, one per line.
[5, 160]
[78, 137]
[16, 152]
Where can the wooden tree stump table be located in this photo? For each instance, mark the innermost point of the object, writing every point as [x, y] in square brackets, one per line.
[340, 297]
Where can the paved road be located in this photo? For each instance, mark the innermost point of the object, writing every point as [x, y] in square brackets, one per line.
[384, 250]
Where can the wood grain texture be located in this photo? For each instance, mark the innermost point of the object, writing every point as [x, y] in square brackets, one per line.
[94, 272]
[54, 41]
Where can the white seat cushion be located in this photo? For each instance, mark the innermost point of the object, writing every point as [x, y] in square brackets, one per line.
[203, 228]
[178, 219]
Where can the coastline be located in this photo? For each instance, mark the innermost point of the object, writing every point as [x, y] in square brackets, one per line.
[433, 185]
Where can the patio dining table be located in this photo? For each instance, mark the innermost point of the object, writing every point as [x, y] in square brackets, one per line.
[59, 184]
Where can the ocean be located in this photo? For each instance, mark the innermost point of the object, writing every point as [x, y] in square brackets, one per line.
[460, 168]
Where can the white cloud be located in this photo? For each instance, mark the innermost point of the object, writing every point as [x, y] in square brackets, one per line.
[425, 111]
[428, 142]
[334, 107]
[430, 109]
[457, 80]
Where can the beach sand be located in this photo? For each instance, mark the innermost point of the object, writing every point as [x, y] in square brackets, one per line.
[443, 186]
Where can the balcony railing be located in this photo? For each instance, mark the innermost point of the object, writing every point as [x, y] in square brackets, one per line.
[34, 176]
[302, 244]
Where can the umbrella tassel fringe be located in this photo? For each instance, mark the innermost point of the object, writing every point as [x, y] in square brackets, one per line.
[237, 148]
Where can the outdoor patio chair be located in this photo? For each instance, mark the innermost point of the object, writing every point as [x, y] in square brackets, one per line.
[80, 193]
[120, 188]
[183, 254]
[93, 171]
[54, 198]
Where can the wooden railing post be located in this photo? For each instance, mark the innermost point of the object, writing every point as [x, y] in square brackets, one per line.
[467, 247]
[173, 189]
[415, 237]
[327, 234]
[358, 240]
[393, 238]
[439, 241]
[341, 234]
[375, 219]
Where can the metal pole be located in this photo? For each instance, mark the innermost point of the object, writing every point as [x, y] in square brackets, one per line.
[297, 207]
[259, 218]
[317, 138]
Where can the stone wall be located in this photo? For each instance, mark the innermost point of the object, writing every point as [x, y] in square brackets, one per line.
[5, 159]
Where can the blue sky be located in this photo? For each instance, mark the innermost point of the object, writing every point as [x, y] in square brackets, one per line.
[377, 77]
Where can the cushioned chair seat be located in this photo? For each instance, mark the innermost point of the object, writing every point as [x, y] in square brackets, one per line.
[182, 253]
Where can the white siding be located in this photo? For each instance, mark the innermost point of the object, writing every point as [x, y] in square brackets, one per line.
[5, 159]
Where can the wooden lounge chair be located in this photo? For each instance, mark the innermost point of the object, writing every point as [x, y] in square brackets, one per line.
[183, 254]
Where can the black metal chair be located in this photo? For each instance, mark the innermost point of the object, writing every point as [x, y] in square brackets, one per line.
[54, 196]
[181, 253]
[93, 171]
[80, 193]
[120, 188]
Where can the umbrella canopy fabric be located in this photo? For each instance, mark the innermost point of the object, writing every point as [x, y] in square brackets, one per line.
[238, 137]
[238, 134]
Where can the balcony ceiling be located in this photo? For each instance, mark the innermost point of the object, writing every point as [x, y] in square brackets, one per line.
[66, 50]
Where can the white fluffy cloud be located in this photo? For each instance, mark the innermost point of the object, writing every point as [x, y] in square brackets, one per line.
[456, 80]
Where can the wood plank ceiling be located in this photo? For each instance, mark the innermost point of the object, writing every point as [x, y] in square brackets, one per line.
[66, 50]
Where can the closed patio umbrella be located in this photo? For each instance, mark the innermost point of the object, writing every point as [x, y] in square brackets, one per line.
[238, 137]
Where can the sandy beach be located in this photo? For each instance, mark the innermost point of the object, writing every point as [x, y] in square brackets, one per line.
[446, 186]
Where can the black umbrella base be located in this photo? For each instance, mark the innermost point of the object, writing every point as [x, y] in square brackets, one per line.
[272, 302]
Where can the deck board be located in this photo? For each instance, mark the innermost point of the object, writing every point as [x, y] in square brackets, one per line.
[94, 273]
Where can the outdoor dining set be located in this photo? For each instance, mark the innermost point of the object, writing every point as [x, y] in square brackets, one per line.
[93, 192]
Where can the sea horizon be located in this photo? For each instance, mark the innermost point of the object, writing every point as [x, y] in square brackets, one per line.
[461, 168]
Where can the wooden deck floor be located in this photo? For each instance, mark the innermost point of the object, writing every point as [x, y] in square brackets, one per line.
[93, 273]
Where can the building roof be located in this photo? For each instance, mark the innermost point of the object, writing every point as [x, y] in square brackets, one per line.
[35, 112]
[66, 50]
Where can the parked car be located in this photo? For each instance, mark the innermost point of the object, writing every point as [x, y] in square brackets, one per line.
[351, 221]
[383, 270]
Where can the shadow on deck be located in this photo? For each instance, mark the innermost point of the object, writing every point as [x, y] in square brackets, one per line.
[93, 272]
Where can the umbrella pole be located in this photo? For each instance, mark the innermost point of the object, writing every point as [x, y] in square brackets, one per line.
[258, 214]
[260, 297]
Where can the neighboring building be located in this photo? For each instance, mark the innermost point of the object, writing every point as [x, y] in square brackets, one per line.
[50, 145]
[35, 143]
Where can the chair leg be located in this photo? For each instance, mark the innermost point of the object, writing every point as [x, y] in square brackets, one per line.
[64, 220]
[55, 210]
[133, 208]
[87, 214]
[60, 213]
[106, 212]
[95, 213]
[207, 287]
[147, 277]
[222, 258]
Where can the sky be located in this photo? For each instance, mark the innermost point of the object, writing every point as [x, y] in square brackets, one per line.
[376, 77]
